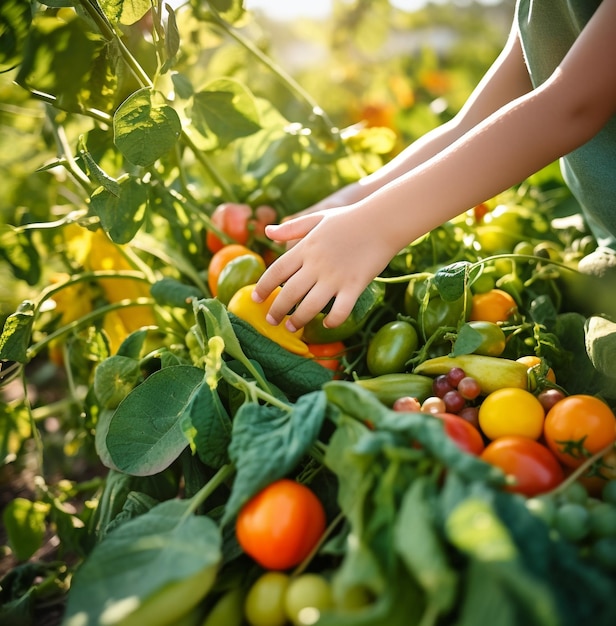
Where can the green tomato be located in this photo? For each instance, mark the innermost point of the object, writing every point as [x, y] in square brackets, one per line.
[306, 597]
[239, 272]
[227, 611]
[492, 337]
[370, 299]
[265, 601]
[572, 521]
[430, 310]
[603, 551]
[391, 347]
[603, 520]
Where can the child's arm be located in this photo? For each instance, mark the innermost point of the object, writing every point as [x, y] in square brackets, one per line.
[505, 80]
[342, 249]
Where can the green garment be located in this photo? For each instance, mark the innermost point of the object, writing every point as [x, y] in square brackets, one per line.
[548, 29]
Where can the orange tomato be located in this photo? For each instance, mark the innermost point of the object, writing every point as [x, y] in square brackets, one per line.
[281, 524]
[220, 259]
[495, 306]
[533, 467]
[577, 427]
[329, 355]
[531, 361]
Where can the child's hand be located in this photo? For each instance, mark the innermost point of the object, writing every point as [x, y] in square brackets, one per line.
[339, 251]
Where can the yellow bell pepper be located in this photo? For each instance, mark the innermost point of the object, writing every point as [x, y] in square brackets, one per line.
[242, 305]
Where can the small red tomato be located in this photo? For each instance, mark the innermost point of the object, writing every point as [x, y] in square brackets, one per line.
[466, 436]
[281, 524]
[329, 355]
[534, 468]
[232, 219]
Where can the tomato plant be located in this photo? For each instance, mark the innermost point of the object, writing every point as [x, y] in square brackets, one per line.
[281, 525]
[533, 468]
[579, 426]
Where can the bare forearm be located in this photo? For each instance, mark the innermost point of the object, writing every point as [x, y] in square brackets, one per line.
[498, 153]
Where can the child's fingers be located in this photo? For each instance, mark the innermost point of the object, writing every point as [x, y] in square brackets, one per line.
[293, 229]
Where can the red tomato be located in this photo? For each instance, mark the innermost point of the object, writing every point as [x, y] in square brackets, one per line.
[329, 355]
[463, 433]
[239, 222]
[577, 427]
[281, 524]
[535, 469]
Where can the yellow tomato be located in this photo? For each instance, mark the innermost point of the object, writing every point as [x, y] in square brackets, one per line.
[511, 411]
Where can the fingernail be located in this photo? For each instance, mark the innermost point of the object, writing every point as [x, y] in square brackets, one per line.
[290, 327]
[256, 297]
[270, 320]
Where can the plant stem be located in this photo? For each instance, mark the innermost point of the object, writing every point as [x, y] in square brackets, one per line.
[208, 489]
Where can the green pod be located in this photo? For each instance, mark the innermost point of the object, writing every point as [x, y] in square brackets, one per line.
[389, 387]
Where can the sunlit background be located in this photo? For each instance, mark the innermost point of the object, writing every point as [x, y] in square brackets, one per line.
[321, 8]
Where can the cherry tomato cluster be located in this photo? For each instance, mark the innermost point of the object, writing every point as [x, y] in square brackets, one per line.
[536, 439]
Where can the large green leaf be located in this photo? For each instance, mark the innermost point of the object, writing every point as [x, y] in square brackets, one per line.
[16, 334]
[15, 18]
[17, 248]
[59, 60]
[125, 12]
[224, 111]
[145, 433]
[145, 127]
[150, 570]
[268, 442]
[121, 211]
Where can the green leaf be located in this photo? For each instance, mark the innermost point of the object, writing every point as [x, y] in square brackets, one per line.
[96, 173]
[15, 428]
[467, 341]
[58, 60]
[268, 442]
[421, 548]
[15, 18]
[145, 128]
[224, 111]
[17, 333]
[151, 570]
[601, 344]
[24, 521]
[173, 293]
[114, 379]
[294, 374]
[145, 433]
[121, 210]
[172, 34]
[213, 425]
[125, 12]
[19, 251]
[229, 10]
[451, 280]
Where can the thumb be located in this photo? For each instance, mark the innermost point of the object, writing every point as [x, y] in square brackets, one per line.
[293, 229]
